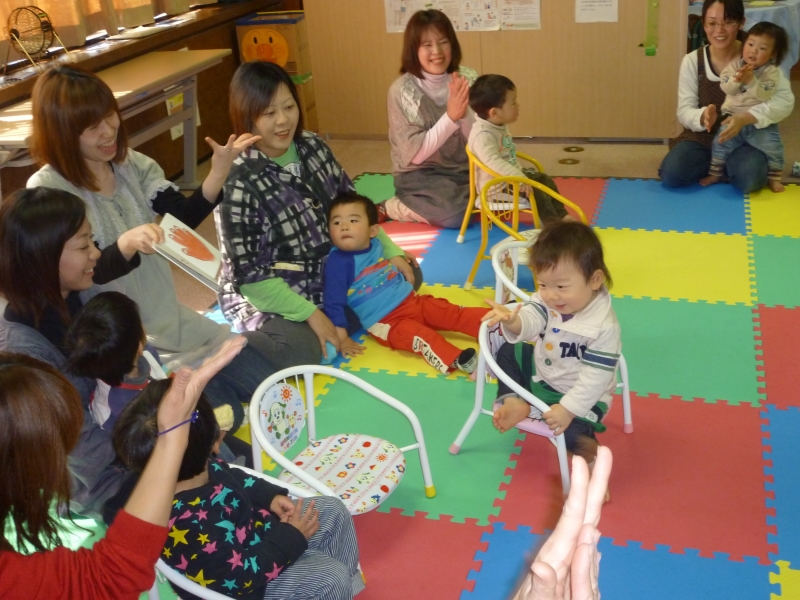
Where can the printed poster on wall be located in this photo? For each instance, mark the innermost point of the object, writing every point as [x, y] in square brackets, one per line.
[521, 14]
[468, 15]
[596, 11]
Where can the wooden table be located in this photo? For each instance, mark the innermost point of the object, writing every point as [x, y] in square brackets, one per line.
[137, 84]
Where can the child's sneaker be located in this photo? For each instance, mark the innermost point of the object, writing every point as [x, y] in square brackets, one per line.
[467, 361]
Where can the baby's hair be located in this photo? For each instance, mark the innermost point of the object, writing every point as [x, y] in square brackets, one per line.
[488, 92]
[569, 241]
[355, 198]
[103, 340]
[136, 429]
[778, 35]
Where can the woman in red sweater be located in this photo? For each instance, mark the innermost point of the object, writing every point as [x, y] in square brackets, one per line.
[40, 419]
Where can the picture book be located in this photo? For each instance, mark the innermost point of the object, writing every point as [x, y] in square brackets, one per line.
[188, 250]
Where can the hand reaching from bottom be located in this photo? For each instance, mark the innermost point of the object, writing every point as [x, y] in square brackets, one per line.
[567, 566]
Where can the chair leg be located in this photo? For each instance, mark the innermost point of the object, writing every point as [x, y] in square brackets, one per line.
[627, 417]
[465, 223]
[563, 463]
[480, 382]
[481, 252]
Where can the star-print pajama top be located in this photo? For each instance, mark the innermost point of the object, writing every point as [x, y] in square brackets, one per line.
[222, 535]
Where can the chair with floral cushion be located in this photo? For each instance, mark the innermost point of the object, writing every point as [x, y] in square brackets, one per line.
[360, 469]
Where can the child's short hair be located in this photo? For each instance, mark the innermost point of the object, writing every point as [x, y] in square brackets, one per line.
[778, 35]
[135, 432]
[571, 241]
[103, 340]
[488, 92]
[355, 198]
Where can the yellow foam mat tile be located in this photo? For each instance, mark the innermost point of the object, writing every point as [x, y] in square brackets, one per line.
[378, 358]
[789, 580]
[775, 214]
[679, 266]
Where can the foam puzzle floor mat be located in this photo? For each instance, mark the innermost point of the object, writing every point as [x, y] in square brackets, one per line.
[705, 492]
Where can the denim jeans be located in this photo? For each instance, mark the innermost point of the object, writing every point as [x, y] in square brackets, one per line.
[768, 140]
[235, 384]
[689, 161]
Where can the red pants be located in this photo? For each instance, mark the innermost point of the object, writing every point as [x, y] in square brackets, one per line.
[411, 326]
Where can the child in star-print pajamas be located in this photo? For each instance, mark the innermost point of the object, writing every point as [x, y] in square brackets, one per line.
[235, 533]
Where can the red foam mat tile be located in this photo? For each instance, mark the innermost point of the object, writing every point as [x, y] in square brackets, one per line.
[431, 558]
[691, 475]
[411, 237]
[586, 193]
[780, 330]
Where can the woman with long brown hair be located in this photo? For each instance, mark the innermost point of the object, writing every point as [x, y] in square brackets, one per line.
[79, 138]
[40, 423]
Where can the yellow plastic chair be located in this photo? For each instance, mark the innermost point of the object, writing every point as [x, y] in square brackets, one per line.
[474, 165]
[500, 204]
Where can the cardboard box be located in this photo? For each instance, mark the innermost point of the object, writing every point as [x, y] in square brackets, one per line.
[280, 38]
[308, 103]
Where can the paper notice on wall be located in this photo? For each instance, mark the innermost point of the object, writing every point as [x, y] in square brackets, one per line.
[596, 11]
[466, 15]
[175, 105]
[520, 14]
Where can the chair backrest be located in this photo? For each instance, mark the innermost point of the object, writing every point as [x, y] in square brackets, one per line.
[282, 415]
[260, 440]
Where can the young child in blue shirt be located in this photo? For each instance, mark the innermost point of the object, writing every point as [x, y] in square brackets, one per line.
[358, 275]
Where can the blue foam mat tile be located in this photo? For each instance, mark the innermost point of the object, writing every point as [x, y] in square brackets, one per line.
[448, 262]
[630, 572]
[782, 426]
[503, 562]
[647, 204]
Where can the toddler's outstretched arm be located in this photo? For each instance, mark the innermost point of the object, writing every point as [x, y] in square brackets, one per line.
[509, 318]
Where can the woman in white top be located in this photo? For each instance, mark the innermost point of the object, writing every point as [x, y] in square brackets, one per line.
[700, 98]
[78, 136]
[429, 123]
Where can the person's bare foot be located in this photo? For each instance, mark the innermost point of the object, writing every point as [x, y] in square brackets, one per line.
[710, 180]
[569, 219]
[775, 185]
[512, 411]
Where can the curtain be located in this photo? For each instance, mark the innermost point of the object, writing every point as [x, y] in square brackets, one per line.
[75, 20]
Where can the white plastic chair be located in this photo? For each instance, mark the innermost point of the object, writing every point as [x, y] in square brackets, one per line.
[359, 469]
[535, 426]
[164, 571]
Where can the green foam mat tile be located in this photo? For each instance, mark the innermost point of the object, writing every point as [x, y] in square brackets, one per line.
[467, 484]
[777, 261]
[692, 350]
[375, 186]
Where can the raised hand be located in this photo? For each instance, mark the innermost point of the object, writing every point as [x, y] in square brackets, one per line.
[500, 313]
[458, 99]
[223, 156]
[567, 566]
[187, 385]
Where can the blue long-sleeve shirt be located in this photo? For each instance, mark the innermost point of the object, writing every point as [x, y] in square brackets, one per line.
[366, 281]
